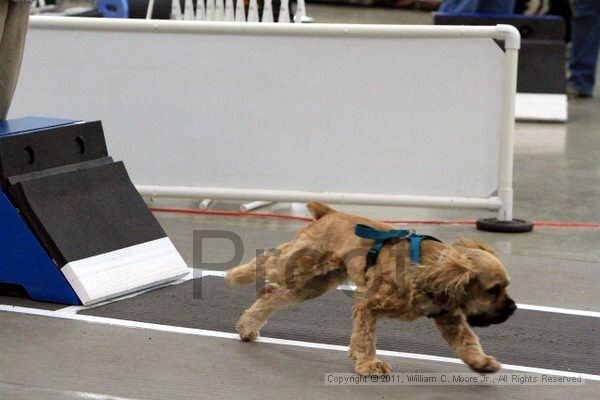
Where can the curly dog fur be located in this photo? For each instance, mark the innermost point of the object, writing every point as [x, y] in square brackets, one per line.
[457, 285]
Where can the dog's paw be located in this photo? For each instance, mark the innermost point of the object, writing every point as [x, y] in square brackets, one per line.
[247, 334]
[485, 365]
[248, 327]
[373, 367]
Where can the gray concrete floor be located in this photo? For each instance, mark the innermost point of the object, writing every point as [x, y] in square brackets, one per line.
[557, 177]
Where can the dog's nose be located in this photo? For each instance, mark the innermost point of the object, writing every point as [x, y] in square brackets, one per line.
[511, 307]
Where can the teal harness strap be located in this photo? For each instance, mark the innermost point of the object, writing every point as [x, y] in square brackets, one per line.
[380, 237]
[415, 248]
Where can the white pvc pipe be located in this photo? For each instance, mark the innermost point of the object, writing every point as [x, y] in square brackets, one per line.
[240, 11]
[210, 10]
[267, 14]
[253, 205]
[150, 9]
[491, 203]
[229, 12]
[200, 10]
[188, 11]
[219, 10]
[204, 204]
[252, 11]
[300, 12]
[284, 12]
[176, 13]
[233, 28]
[507, 138]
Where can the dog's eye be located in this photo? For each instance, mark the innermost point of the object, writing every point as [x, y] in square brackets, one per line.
[495, 290]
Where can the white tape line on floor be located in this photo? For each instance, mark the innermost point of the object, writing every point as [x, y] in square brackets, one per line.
[8, 388]
[285, 342]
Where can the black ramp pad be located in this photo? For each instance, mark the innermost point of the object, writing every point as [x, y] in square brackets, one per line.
[529, 338]
[49, 148]
[84, 213]
[13, 180]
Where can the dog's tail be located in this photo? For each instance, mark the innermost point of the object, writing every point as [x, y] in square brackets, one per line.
[318, 209]
[244, 274]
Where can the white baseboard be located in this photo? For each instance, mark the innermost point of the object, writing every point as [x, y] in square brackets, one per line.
[123, 271]
[541, 107]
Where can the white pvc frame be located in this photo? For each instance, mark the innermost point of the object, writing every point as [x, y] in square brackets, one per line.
[502, 202]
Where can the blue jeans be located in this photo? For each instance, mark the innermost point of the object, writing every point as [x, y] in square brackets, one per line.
[585, 41]
[479, 7]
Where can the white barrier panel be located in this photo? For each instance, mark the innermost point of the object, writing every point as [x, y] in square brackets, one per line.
[541, 107]
[370, 114]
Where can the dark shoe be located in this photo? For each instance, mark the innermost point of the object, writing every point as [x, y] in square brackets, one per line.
[405, 4]
[429, 5]
[574, 93]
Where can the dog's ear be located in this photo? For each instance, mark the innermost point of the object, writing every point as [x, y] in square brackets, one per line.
[470, 243]
[447, 280]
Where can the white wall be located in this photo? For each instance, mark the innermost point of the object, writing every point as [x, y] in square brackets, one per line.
[311, 108]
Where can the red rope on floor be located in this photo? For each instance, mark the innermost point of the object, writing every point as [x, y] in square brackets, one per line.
[230, 213]
[430, 221]
[392, 221]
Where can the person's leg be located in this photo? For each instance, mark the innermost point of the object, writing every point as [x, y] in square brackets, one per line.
[496, 7]
[585, 41]
[14, 18]
[478, 6]
[458, 6]
[3, 12]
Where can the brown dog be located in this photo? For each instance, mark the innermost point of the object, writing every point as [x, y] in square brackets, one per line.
[458, 284]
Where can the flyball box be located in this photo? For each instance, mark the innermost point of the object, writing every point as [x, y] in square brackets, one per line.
[74, 228]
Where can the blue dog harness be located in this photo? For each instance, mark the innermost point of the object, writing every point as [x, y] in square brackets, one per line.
[380, 237]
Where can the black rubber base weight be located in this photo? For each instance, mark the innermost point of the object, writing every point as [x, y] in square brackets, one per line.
[495, 225]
